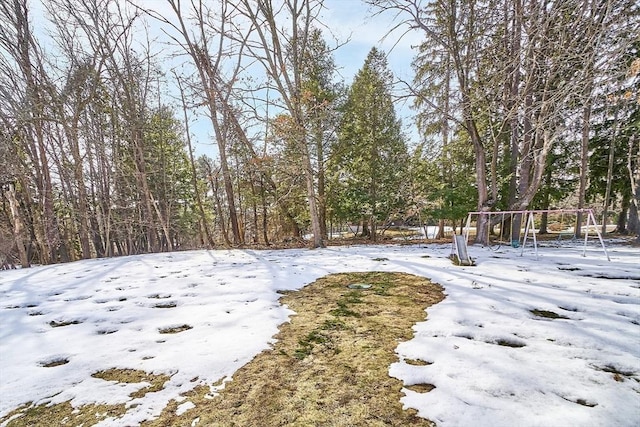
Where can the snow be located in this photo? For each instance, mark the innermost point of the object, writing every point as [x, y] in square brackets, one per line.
[555, 372]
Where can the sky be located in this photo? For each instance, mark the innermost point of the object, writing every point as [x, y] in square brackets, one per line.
[356, 21]
[555, 372]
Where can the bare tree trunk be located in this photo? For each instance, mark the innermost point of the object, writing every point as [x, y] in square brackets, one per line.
[203, 218]
[18, 226]
[612, 149]
[462, 68]
[545, 203]
[281, 54]
[208, 68]
[621, 222]
[514, 127]
[633, 165]
[445, 137]
[322, 198]
[316, 229]
[584, 165]
[213, 181]
[83, 210]
[265, 224]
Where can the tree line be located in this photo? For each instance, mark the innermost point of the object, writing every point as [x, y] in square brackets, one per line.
[518, 104]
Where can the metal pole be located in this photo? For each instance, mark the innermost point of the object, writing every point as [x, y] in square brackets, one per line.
[533, 232]
[467, 229]
[586, 235]
[599, 235]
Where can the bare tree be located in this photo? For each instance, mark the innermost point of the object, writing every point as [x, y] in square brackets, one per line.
[24, 67]
[209, 48]
[633, 159]
[281, 53]
[68, 104]
[537, 63]
[13, 232]
[633, 165]
[207, 237]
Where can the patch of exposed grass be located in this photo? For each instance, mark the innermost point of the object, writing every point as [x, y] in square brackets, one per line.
[587, 403]
[55, 362]
[175, 329]
[507, 342]
[547, 314]
[158, 296]
[61, 414]
[417, 362]
[61, 323]
[618, 374]
[581, 402]
[420, 388]
[156, 382]
[166, 305]
[329, 365]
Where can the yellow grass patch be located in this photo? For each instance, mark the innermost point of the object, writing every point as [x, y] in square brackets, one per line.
[156, 382]
[62, 414]
[330, 364]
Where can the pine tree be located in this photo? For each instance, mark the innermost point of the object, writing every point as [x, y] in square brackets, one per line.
[319, 98]
[368, 161]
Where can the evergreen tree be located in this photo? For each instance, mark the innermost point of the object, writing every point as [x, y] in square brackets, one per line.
[445, 197]
[169, 176]
[613, 159]
[368, 161]
[319, 98]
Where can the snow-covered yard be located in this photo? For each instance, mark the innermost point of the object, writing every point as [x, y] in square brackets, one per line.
[552, 341]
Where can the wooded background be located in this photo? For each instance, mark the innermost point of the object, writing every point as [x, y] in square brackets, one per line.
[519, 104]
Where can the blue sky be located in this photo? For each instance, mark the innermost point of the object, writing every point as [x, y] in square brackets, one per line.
[353, 19]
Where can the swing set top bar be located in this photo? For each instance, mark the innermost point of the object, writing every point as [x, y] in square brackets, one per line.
[532, 211]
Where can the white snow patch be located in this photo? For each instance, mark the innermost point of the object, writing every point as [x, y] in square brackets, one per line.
[493, 361]
[184, 407]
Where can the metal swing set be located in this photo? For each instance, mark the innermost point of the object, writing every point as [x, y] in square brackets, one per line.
[528, 216]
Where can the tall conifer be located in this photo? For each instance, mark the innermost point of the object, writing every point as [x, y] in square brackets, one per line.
[369, 159]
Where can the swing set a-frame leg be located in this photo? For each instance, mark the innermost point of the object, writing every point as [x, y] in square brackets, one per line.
[530, 226]
[592, 218]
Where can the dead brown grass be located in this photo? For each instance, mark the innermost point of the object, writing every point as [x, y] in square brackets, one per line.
[330, 364]
[156, 382]
[61, 414]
